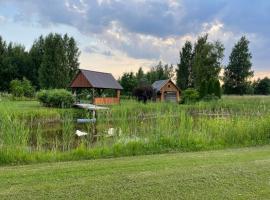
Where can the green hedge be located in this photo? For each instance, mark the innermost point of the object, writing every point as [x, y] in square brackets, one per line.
[59, 98]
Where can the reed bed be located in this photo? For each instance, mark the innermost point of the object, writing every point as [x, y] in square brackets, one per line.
[30, 133]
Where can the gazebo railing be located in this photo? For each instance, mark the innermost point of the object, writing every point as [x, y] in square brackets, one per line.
[106, 100]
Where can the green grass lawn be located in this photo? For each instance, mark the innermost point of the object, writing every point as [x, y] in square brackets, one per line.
[226, 174]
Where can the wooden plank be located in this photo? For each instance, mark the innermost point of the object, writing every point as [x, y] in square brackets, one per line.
[106, 100]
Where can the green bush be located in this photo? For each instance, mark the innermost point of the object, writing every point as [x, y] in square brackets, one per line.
[210, 88]
[217, 89]
[203, 89]
[59, 98]
[22, 88]
[190, 95]
[28, 89]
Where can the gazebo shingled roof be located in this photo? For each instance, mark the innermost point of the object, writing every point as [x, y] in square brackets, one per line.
[95, 79]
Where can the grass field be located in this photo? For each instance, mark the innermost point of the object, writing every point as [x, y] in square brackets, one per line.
[224, 174]
[30, 133]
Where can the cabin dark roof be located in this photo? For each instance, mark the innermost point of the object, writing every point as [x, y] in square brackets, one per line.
[157, 85]
[101, 80]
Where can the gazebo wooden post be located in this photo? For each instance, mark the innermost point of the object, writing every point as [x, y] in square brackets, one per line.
[118, 93]
[93, 95]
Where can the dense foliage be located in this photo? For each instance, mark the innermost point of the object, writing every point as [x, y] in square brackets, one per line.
[238, 71]
[207, 59]
[58, 98]
[14, 63]
[183, 71]
[200, 66]
[59, 61]
[130, 81]
[262, 86]
[22, 88]
[51, 62]
[144, 93]
[190, 95]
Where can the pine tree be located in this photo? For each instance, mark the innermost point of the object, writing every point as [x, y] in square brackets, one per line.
[238, 71]
[183, 71]
[36, 56]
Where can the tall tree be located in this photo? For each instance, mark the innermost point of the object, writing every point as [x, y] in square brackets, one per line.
[183, 71]
[59, 62]
[129, 82]
[73, 54]
[14, 63]
[207, 59]
[238, 71]
[141, 78]
[36, 56]
[3, 51]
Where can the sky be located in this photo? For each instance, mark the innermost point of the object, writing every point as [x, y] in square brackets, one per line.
[119, 36]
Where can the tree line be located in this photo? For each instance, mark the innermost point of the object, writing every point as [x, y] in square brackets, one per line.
[200, 68]
[51, 62]
[130, 81]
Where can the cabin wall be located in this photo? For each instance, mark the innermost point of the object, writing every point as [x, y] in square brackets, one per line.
[169, 87]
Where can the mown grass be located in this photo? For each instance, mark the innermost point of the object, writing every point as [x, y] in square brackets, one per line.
[226, 174]
[138, 129]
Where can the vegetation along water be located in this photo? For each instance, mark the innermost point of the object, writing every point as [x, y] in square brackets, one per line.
[31, 133]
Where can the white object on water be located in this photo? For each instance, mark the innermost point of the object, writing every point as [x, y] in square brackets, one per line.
[82, 121]
[90, 106]
[80, 133]
[114, 131]
[111, 131]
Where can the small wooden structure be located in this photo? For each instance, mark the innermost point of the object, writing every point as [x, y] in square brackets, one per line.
[166, 90]
[97, 82]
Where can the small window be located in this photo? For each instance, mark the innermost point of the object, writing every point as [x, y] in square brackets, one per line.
[169, 86]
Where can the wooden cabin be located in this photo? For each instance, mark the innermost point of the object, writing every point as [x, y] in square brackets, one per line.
[166, 90]
[97, 82]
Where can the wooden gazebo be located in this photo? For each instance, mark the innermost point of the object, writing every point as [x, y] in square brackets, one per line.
[97, 81]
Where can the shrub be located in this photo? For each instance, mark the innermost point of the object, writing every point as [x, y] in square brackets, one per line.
[190, 95]
[16, 88]
[262, 86]
[144, 93]
[217, 89]
[28, 89]
[210, 88]
[203, 89]
[59, 98]
[22, 88]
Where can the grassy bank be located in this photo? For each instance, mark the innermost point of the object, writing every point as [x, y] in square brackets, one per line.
[28, 136]
[226, 174]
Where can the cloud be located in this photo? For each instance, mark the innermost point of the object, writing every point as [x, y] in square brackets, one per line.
[160, 18]
[2, 19]
[96, 50]
[155, 29]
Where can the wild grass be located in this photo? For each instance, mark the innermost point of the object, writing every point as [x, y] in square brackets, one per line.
[137, 129]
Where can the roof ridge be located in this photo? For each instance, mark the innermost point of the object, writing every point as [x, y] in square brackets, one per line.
[95, 71]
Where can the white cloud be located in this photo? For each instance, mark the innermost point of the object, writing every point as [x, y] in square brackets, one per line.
[2, 19]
